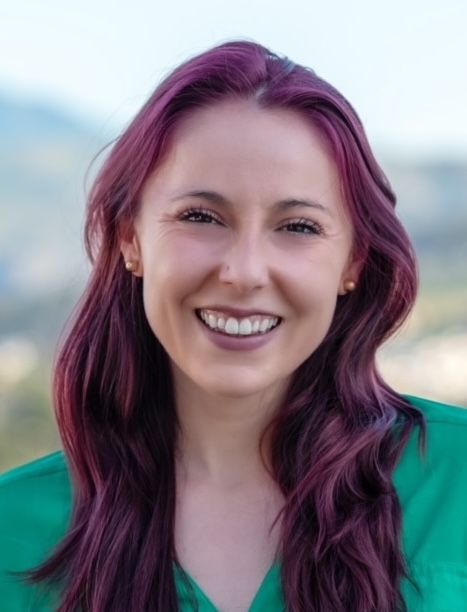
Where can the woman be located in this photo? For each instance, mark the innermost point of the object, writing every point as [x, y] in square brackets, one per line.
[229, 443]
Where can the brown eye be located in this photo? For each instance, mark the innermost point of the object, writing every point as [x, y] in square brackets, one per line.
[302, 227]
[199, 216]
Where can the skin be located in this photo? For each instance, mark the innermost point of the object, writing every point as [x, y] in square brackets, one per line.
[240, 249]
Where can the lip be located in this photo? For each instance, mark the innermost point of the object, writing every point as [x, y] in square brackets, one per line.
[237, 343]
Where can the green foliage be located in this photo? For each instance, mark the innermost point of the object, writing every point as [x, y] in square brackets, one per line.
[27, 425]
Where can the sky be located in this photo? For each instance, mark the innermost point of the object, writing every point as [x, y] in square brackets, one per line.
[402, 64]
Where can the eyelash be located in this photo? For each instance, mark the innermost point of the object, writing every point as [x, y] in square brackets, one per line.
[306, 227]
[204, 215]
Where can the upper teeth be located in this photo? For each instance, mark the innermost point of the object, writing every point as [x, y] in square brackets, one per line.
[235, 327]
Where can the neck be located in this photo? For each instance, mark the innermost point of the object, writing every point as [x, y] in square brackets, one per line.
[221, 438]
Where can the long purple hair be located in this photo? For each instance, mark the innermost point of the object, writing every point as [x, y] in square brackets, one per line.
[336, 439]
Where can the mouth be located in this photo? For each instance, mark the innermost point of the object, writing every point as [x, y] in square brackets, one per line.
[243, 327]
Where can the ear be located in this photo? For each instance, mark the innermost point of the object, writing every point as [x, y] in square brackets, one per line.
[131, 251]
[351, 273]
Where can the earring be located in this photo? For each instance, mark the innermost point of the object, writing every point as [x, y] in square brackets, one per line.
[349, 285]
[131, 266]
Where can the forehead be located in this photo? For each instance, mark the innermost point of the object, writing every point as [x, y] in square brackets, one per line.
[251, 152]
[244, 128]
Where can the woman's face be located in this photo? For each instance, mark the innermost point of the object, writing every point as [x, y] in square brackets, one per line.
[243, 245]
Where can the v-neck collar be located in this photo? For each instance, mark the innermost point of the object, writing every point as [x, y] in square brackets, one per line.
[268, 597]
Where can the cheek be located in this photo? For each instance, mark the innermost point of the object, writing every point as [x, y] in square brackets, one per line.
[174, 267]
[180, 253]
[313, 281]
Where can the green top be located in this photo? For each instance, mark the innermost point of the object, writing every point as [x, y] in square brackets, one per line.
[35, 503]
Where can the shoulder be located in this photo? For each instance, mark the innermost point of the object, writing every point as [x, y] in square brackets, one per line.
[44, 467]
[439, 413]
[432, 487]
[35, 489]
[35, 505]
[446, 438]
[444, 458]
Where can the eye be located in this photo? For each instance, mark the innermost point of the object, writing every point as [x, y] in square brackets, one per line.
[302, 226]
[199, 215]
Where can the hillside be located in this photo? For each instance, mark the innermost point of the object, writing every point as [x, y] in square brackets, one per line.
[44, 155]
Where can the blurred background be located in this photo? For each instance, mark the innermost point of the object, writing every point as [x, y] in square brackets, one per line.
[73, 74]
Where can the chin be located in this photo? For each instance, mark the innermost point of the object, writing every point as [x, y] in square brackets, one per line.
[242, 387]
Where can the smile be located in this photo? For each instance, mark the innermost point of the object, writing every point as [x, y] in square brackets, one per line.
[233, 326]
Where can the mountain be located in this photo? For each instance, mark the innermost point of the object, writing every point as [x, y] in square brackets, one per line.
[433, 205]
[26, 121]
[44, 156]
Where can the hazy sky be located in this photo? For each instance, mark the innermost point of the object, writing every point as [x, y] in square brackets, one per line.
[403, 63]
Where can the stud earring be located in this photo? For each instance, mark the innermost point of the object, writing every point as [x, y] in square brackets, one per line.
[349, 285]
[131, 266]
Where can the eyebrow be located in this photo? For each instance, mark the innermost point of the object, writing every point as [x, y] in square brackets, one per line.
[287, 204]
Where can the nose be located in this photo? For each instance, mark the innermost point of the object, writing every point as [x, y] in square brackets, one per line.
[245, 264]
